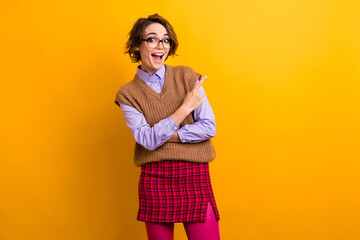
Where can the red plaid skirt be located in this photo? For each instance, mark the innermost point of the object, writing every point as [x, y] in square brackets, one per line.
[175, 191]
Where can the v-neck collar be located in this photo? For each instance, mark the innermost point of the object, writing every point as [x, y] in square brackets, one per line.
[167, 80]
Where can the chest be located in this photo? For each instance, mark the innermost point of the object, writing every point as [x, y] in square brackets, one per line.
[157, 106]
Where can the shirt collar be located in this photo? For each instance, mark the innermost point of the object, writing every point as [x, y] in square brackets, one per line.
[148, 77]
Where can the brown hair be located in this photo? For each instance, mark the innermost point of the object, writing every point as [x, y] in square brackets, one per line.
[136, 35]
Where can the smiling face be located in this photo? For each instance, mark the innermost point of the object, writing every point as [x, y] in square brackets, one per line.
[152, 59]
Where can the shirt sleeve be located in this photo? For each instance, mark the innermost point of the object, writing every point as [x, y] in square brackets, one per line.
[149, 137]
[204, 126]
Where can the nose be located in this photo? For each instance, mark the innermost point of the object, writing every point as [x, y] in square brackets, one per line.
[160, 45]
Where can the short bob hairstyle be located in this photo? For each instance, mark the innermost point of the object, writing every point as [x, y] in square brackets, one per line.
[137, 32]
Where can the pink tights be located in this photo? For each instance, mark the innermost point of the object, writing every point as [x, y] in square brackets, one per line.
[208, 230]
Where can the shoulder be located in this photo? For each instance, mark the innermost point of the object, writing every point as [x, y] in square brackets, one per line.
[186, 72]
[186, 75]
[124, 93]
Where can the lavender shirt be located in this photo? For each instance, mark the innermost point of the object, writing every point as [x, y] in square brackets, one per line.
[152, 137]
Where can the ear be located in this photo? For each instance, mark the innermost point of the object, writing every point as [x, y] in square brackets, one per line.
[137, 49]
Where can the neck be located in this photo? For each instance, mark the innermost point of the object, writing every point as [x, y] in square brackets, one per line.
[147, 70]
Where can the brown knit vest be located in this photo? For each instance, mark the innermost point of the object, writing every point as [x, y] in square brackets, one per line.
[156, 106]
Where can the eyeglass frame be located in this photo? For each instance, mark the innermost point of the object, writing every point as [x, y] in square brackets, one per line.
[160, 41]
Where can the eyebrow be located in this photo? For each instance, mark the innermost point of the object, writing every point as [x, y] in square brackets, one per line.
[156, 34]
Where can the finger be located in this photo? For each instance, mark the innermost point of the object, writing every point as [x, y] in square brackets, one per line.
[198, 85]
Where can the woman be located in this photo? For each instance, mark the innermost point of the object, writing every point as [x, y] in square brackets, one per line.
[172, 122]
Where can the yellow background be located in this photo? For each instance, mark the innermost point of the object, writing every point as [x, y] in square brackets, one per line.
[283, 81]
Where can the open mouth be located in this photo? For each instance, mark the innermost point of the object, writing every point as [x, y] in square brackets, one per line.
[157, 57]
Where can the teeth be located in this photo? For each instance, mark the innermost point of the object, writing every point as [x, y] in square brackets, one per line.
[158, 54]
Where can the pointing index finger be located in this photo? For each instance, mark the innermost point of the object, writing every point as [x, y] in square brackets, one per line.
[198, 85]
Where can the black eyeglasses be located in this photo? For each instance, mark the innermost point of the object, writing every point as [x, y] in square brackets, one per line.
[153, 42]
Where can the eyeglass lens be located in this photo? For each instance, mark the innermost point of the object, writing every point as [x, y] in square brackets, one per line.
[154, 42]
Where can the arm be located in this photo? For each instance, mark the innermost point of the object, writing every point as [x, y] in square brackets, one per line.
[174, 138]
[204, 126]
[194, 100]
[149, 137]
[153, 137]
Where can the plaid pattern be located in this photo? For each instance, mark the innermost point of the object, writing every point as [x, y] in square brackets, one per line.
[175, 191]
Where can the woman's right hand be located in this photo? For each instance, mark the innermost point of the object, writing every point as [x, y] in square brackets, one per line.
[193, 99]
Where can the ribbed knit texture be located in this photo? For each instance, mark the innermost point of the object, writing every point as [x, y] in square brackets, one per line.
[156, 106]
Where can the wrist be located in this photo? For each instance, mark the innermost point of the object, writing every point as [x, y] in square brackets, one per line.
[181, 113]
[186, 110]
